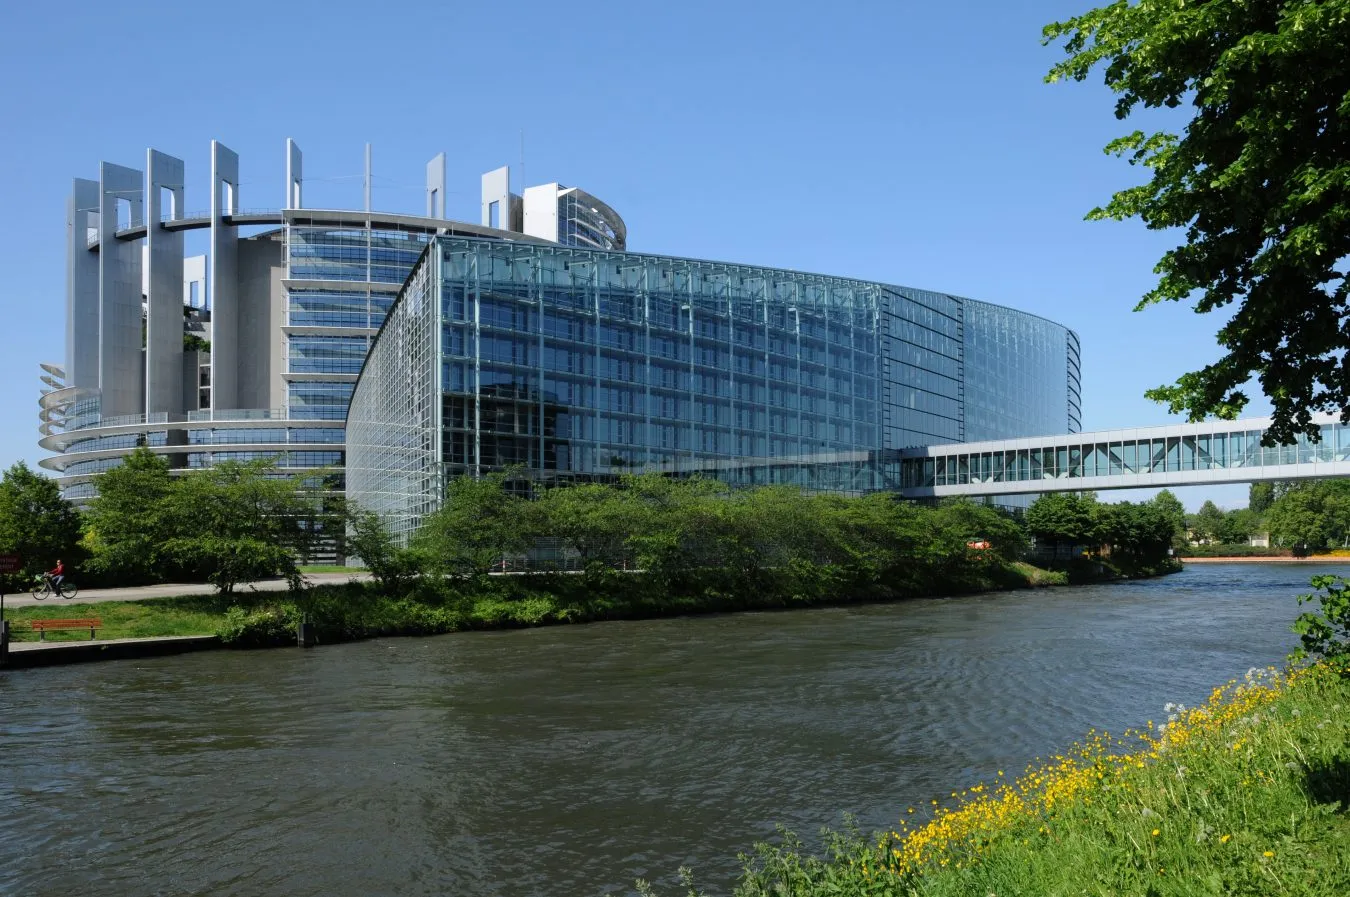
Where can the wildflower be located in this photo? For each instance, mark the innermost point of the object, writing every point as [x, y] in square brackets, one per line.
[1156, 833]
[1225, 839]
[1268, 854]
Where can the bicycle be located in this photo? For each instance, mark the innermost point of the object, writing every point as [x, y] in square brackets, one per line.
[42, 588]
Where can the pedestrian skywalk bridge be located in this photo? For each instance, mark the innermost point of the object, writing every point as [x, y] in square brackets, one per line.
[1173, 455]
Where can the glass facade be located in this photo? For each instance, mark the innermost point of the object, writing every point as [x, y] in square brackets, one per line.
[1022, 375]
[370, 264]
[581, 365]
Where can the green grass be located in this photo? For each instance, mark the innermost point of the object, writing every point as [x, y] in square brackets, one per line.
[331, 568]
[1247, 795]
[356, 610]
[153, 617]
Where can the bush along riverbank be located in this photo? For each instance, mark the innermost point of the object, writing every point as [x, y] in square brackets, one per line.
[359, 610]
[366, 609]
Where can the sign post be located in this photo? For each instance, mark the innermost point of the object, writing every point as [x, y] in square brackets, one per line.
[9, 563]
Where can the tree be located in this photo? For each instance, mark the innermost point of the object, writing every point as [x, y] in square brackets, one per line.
[36, 523]
[477, 525]
[1298, 518]
[1260, 496]
[234, 523]
[1143, 531]
[1260, 180]
[1208, 524]
[368, 538]
[127, 521]
[1175, 511]
[1239, 526]
[591, 520]
[1064, 517]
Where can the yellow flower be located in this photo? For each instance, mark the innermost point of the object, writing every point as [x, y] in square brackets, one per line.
[1156, 833]
[1268, 853]
[1225, 839]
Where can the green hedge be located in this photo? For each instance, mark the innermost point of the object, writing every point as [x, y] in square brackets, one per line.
[358, 610]
[1232, 551]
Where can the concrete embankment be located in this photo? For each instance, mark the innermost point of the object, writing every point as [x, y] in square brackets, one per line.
[36, 654]
[1317, 559]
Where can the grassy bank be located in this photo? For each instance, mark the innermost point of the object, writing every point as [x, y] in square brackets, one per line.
[356, 610]
[1248, 794]
[151, 618]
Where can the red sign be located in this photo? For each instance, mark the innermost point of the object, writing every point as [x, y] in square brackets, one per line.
[10, 563]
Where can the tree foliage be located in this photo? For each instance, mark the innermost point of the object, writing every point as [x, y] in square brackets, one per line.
[479, 522]
[1260, 496]
[237, 522]
[128, 522]
[1311, 514]
[1259, 180]
[1144, 532]
[369, 539]
[700, 536]
[1065, 517]
[227, 524]
[1208, 523]
[36, 523]
[1325, 632]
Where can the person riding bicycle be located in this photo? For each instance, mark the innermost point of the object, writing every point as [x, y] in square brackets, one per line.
[56, 574]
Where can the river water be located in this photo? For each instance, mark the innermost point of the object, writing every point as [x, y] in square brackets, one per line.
[575, 759]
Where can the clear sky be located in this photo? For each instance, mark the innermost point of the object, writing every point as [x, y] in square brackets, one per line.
[912, 143]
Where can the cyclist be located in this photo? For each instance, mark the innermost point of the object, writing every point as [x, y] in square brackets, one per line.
[55, 575]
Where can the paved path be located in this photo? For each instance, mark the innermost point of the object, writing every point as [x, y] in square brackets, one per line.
[168, 590]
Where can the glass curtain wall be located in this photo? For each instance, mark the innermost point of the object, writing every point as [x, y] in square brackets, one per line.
[582, 365]
[1021, 375]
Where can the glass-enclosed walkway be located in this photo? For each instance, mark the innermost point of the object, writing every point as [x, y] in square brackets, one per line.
[1175, 455]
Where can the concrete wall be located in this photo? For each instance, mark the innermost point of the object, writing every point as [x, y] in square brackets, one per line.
[119, 301]
[81, 286]
[436, 187]
[541, 212]
[191, 378]
[295, 175]
[223, 279]
[164, 286]
[262, 303]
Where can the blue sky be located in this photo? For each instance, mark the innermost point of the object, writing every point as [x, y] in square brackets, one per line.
[912, 143]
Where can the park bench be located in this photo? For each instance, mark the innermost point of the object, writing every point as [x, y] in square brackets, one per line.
[42, 627]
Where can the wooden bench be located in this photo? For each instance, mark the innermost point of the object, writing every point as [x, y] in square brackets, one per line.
[42, 627]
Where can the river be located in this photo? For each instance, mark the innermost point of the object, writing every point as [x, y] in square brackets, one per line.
[575, 759]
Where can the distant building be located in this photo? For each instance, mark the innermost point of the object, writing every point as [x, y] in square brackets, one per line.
[531, 338]
[252, 349]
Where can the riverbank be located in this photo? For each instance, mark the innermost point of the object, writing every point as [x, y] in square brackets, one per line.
[1244, 795]
[41, 654]
[352, 610]
[1273, 559]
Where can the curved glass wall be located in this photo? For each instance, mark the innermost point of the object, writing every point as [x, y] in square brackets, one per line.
[583, 365]
[1021, 375]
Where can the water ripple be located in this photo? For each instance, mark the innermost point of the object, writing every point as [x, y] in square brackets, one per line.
[573, 760]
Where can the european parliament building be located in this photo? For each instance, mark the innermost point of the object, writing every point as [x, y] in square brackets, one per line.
[400, 351]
